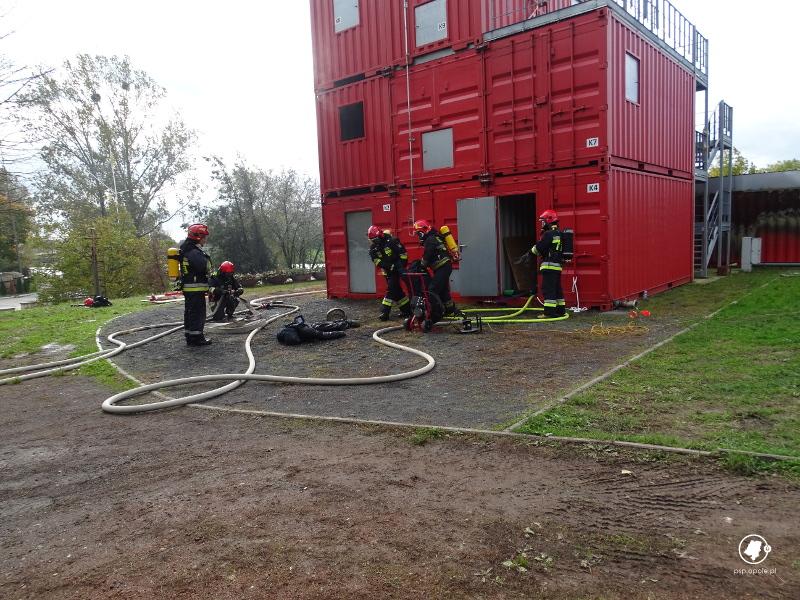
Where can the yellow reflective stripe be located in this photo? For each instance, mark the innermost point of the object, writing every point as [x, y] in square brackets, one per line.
[546, 267]
[377, 261]
[403, 302]
[550, 303]
[195, 287]
[404, 256]
[534, 250]
[440, 262]
[386, 302]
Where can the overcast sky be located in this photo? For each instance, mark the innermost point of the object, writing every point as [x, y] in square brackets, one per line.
[240, 72]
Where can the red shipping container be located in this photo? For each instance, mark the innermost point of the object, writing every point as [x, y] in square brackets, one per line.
[547, 97]
[633, 230]
[349, 270]
[359, 38]
[772, 215]
[447, 120]
[500, 13]
[655, 132]
[355, 136]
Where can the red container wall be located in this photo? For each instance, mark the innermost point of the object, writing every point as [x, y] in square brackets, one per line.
[632, 229]
[658, 131]
[650, 225]
[378, 41]
[499, 13]
[773, 216]
[444, 94]
[334, 224]
[549, 98]
[362, 162]
[572, 194]
[546, 97]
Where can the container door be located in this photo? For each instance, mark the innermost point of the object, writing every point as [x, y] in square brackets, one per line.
[360, 267]
[477, 234]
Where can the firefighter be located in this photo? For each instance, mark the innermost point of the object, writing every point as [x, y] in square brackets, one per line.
[226, 291]
[390, 256]
[195, 266]
[436, 258]
[548, 248]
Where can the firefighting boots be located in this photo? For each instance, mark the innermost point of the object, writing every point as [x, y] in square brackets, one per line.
[384, 314]
[197, 340]
[450, 308]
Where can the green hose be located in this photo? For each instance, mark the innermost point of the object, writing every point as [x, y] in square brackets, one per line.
[509, 318]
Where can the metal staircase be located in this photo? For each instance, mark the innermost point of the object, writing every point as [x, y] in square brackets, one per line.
[712, 229]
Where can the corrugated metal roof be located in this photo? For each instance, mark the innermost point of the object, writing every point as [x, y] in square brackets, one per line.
[761, 182]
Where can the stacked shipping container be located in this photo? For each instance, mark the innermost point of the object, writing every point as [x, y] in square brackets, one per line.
[585, 114]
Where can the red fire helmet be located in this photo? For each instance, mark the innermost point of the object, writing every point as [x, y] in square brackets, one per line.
[197, 231]
[549, 216]
[422, 227]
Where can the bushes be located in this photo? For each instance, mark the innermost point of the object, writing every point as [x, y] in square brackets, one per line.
[278, 277]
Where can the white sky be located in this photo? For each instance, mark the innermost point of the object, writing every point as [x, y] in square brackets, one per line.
[240, 72]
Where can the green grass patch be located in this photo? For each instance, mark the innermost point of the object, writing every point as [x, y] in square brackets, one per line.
[26, 331]
[423, 435]
[731, 382]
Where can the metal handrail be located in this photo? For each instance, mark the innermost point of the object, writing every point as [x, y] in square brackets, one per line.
[659, 17]
[671, 27]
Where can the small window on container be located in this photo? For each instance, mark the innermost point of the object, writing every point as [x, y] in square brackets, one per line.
[437, 149]
[351, 121]
[631, 78]
[431, 22]
[345, 14]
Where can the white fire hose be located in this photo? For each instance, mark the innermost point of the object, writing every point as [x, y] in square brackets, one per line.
[237, 379]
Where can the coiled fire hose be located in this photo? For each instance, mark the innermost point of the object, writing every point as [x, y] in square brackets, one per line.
[237, 379]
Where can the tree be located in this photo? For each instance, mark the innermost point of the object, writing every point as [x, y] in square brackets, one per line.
[239, 224]
[16, 221]
[262, 215]
[792, 164]
[741, 165]
[296, 215]
[14, 81]
[122, 259]
[103, 139]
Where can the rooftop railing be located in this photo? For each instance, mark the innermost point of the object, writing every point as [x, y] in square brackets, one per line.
[670, 26]
[659, 17]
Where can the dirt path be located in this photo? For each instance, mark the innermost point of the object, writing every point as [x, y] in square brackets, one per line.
[195, 504]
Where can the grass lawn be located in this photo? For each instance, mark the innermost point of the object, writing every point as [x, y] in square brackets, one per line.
[26, 331]
[732, 382]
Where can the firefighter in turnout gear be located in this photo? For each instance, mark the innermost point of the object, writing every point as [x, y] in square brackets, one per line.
[390, 256]
[225, 291]
[436, 257]
[195, 267]
[549, 249]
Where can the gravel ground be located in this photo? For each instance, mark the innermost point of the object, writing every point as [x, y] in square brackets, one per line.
[482, 380]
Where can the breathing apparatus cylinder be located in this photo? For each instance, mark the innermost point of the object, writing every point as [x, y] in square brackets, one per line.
[452, 247]
[173, 268]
